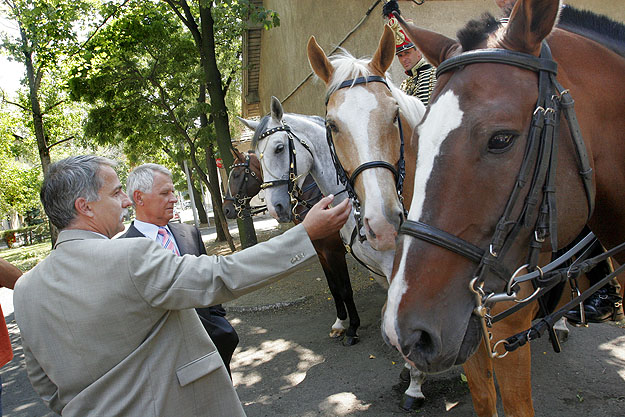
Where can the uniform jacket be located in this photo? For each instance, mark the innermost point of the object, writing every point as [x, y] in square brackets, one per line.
[108, 329]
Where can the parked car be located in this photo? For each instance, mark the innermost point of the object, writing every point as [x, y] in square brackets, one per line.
[176, 217]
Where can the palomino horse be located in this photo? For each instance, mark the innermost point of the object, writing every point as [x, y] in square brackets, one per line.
[291, 146]
[369, 123]
[485, 191]
[330, 250]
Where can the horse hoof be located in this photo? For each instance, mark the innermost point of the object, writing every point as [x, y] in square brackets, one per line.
[336, 334]
[351, 340]
[409, 403]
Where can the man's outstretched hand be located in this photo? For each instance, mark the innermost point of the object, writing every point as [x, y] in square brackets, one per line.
[322, 221]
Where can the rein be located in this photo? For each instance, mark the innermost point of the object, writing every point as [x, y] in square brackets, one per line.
[295, 193]
[398, 170]
[541, 153]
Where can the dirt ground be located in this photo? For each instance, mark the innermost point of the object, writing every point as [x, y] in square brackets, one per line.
[287, 366]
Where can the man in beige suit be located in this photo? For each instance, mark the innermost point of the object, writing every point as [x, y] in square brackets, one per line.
[108, 326]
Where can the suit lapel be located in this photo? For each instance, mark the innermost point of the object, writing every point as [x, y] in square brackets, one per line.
[132, 232]
[183, 240]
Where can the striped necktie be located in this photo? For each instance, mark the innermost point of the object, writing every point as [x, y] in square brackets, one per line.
[167, 241]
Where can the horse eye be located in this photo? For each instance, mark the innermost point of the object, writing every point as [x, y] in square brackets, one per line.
[279, 148]
[236, 174]
[332, 126]
[500, 142]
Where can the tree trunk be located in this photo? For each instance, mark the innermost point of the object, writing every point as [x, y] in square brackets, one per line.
[215, 192]
[199, 202]
[35, 107]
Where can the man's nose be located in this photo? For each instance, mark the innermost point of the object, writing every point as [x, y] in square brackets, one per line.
[126, 201]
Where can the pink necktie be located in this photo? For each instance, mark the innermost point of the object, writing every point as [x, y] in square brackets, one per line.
[167, 241]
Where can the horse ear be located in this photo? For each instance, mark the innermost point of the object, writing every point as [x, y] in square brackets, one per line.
[252, 124]
[435, 47]
[235, 152]
[383, 57]
[276, 108]
[319, 61]
[530, 22]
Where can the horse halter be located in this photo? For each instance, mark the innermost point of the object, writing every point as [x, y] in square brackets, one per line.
[295, 192]
[541, 148]
[241, 199]
[398, 170]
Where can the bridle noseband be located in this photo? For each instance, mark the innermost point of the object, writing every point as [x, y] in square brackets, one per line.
[398, 170]
[541, 153]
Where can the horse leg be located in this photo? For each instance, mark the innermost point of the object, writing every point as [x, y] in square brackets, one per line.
[332, 258]
[413, 397]
[341, 273]
[514, 371]
[480, 377]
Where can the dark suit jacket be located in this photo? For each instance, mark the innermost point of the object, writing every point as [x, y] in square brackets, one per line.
[189, 241]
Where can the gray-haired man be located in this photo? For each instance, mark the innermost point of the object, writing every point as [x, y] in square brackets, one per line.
[151, 190]
[107, 326]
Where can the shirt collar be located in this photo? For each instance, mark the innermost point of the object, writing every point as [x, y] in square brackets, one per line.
[148, 229]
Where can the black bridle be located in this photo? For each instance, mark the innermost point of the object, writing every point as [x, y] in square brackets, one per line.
[295, 193]
[241, 200]
[541, 153]
[398, 170]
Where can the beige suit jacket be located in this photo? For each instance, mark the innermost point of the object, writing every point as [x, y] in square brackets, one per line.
[108, 330]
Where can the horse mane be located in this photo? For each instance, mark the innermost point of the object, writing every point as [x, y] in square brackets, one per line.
[477, 31]
[346, 67]
[412, 108]
[593, 26]
[585, 23]
[259, 130]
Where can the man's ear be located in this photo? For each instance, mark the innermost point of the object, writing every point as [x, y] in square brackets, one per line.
[82, 207]
[137, 197]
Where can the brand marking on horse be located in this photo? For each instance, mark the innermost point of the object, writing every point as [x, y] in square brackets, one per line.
[445, 115]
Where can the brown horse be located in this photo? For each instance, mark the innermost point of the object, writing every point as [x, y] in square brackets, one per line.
[331, 251]
[244, 182]
[496, 157]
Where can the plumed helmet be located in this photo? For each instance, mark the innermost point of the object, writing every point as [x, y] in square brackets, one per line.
[402, 42]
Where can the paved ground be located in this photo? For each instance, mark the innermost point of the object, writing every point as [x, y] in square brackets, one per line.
[287, 366]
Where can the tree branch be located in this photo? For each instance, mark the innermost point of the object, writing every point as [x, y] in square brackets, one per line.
[61, 141]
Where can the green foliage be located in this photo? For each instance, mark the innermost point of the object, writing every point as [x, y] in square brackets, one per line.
[140, 75]
[19, 178]
[26, 258]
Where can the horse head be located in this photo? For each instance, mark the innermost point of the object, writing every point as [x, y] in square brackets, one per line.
[364, 132]
[485, 176]
[284, 158]
[244, 182]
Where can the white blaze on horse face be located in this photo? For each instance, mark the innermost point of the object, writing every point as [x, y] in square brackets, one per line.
[445, 115]
[356, 115]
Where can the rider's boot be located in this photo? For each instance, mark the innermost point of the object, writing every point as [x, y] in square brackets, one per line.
[605, 304]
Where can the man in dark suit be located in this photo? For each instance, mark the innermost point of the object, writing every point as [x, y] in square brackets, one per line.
[151, 190]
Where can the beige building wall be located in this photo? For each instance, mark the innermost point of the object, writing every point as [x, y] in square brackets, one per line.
[285, 71]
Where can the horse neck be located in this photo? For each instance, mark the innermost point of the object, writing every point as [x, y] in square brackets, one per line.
[595, 76]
